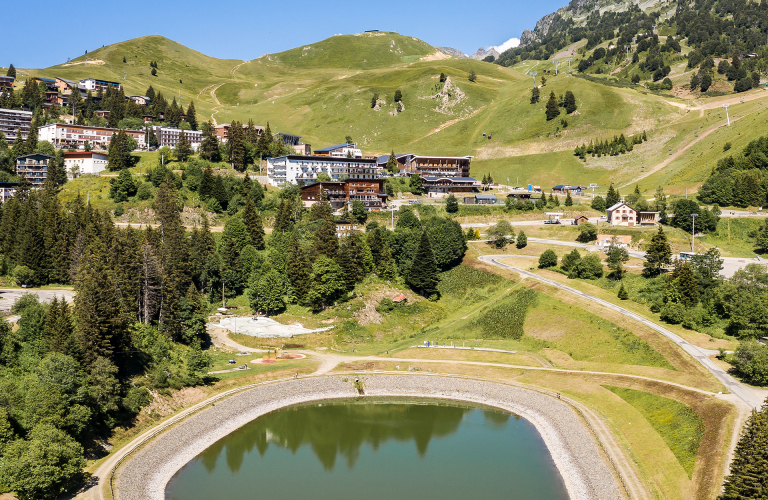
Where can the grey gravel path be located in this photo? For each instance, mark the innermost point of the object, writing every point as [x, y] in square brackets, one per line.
[573, 448]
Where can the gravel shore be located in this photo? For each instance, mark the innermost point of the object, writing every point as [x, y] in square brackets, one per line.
[576, 454]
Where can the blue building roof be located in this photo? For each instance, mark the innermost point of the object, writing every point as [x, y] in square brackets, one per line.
[334, 148]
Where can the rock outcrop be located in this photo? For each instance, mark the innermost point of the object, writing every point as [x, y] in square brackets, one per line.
[482, 54]
[452, 52]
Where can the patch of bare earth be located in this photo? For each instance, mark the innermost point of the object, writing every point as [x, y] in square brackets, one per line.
[436, 56]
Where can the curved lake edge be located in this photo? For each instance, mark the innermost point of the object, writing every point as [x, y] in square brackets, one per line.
[572, 446]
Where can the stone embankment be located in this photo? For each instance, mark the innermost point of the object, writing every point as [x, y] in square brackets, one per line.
[574, 450]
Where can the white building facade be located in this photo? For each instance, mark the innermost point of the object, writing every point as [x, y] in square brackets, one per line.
[65, 136]
[296, 169]
[85, 162]
[168, 136]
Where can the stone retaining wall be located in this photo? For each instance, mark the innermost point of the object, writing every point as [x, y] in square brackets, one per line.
[581, 463]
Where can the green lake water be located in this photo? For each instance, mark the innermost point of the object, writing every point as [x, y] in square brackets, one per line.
[375, 450]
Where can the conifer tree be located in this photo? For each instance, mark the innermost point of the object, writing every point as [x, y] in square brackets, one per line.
[321, 209]
[747, 479]
[570, 102]
[535, 96]
[264, 146]
[299, 268]
[375, 243]
[658, 254]
[327, 282]
[623, 295]
[31, 143]
[251, 135]
[209, 147]
[522, 240]
[353, 249]
[386, 269]
[324, 241]
[284, 218]
[392, 163]
[553, 110]
[11, 71]
[422, 276]
[75, 101]
[568, 199]
[688, 286]
[192, 115]
[183, 149]
[612, 197]
[254, 225]
[96, 315]
[267, 292]
[451, 204]
[236, 146]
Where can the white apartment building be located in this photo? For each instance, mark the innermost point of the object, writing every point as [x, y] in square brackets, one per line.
[85, 162]
[65, 136]
[297, 169]
[168, 136]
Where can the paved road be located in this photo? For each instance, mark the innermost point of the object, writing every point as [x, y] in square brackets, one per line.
[743, 392]
[742, 213]
[8, 296]
[730, 264]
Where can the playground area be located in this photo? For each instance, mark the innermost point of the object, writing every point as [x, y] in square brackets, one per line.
[263, 327]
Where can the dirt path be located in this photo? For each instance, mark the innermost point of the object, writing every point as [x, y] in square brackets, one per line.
[232, 71]
[453, 122]
[676, 154]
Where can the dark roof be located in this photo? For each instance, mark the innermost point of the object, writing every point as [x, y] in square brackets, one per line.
[328, 158]
[334, 148]
[8, 184]
[385, 158]
[34, 155]
[322, 183]
[452, 179]
[485, 196]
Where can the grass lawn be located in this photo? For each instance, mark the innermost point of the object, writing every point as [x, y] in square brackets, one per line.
[679, 426]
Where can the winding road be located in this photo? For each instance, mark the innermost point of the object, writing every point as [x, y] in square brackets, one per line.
[740, 390]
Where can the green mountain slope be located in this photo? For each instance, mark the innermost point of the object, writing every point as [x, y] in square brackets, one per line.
[323, 92]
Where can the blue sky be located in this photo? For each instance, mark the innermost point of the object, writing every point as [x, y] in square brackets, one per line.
[245, 30]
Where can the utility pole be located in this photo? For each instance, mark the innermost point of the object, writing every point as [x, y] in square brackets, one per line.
[534, 77]
[569, 65]
[726, 114]
[693, 229]
[125, 73]
[627, 47]
[556, 67]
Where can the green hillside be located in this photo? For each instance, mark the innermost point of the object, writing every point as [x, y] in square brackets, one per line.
[323, 92]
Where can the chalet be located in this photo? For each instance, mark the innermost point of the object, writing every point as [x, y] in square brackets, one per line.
[51, 92]
[289, 139]
[581, 219]
[369, 191]
[33, 167]
[605, 240]
[442, 186]
[140, 99]
[6, 82]
[622, 214]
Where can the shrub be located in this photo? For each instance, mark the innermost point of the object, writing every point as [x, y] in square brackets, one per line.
[570, 260]
[119, 210]
[522, 240]
[136, 399]
[547, 259]
[751, 360]
[587, 233]
[144, 192]
[588, 267]
[673, 313]
[23, 275]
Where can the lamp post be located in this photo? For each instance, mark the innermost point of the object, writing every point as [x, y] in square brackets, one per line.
[693, 229]
[726, 114]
